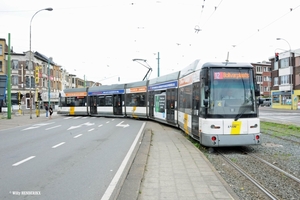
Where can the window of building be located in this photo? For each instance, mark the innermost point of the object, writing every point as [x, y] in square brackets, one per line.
[266, 69]
[29, 67]
[14, 80]
[275, 99]
[266, 89]
[286, 100]
[27, 82]
[284, 62]
[267, 78]
[275, 80]
[275, 65]
[1, 51]
[15, 64]
[284, 80]
[258, 68]
[1, 68]
[258, 78]
[32, 82]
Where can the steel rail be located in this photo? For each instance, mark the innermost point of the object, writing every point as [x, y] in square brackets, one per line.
[257, 184]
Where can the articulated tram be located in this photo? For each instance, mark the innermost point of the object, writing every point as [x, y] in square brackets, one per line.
[195, 99]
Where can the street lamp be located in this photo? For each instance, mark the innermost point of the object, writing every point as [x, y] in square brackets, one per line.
[290, 64]
[30, 64]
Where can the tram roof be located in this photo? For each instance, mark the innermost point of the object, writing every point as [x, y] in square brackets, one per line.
[165, 78]
[190, 68]
[227, 64]
[136, 84]
[106, 87]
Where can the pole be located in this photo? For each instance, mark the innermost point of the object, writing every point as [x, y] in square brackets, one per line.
[30, 64]
[48, 84]
[8, 81]
[84, 81]
[158, 64]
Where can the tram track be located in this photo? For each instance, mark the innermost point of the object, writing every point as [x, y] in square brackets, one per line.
[295, 140]
[269, 179]
[255, 182]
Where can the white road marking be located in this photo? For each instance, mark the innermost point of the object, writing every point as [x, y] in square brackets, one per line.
[34, 126]
[58, 145]
[22, 161]
[77, 136]
[52, 127]
[122, 125]
[91, 130]
[29, 128]
[107, 122]
[100, 125]
[117, 176]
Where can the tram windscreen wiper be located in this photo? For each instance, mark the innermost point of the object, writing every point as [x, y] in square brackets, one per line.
[242, 111]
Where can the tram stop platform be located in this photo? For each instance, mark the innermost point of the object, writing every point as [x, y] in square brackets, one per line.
[169, 166]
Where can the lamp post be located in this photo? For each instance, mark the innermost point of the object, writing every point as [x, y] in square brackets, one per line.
[290, 64]
[30, 64]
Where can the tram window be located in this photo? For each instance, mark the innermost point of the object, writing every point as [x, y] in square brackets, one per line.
[101, 101]
[75, 101]
[108, 100]
[136, 99]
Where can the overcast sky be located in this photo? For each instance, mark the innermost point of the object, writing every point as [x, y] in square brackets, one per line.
[99, 39]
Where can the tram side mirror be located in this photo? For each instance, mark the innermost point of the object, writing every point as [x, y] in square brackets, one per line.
[257, 91]
[205, 102]
[260, 101]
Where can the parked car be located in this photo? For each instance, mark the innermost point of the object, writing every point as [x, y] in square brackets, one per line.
[266, 102]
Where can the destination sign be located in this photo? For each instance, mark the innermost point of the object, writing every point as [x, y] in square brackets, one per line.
[231, 75]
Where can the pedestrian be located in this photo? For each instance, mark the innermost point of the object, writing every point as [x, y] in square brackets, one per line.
[46, 108]
[50, 111]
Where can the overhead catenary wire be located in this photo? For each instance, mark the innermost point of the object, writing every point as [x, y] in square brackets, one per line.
[198, 27]
[266, 26]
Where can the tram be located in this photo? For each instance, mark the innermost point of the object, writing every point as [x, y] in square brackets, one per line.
[74, 101]
[214, 103]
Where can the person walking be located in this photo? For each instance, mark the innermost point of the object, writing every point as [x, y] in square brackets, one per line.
[46, 108]
[51, 112]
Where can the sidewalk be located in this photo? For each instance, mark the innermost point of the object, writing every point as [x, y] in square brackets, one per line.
[173, 168]
[22, 119]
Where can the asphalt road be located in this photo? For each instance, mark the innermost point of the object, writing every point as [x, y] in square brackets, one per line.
[280, 115]
[66, 157]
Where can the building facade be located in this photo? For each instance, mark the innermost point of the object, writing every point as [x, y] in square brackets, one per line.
[262, 72]
[285, 90]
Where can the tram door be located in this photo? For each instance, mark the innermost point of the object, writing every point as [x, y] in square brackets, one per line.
[151, 104]
[196, 109]
[93, 104]
[117, 104]
[171, 105]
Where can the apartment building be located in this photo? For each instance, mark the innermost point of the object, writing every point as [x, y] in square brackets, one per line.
[3, 50]
[262, 72]
[285, 82]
